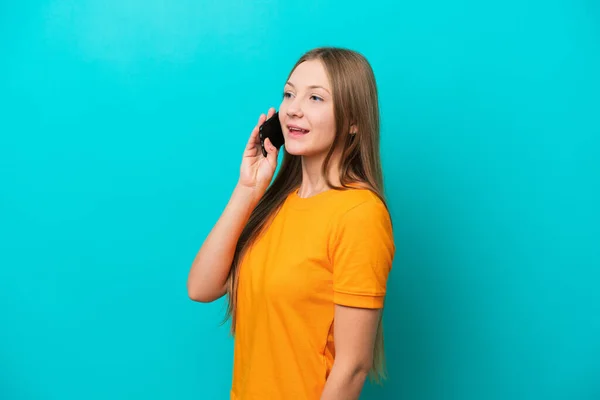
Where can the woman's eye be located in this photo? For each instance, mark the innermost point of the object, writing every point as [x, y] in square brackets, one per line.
[313, 97]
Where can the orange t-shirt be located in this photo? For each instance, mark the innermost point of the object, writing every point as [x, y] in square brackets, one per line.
[335, 247]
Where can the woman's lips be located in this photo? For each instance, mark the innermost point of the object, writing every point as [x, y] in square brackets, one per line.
[296, 131]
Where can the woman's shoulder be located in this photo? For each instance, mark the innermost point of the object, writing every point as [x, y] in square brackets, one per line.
[360, 211]
[359, 195]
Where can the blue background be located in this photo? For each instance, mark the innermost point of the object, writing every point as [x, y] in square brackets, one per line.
[121, 130]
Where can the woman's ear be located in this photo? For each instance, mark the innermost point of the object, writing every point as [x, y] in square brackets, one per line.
[353, 129]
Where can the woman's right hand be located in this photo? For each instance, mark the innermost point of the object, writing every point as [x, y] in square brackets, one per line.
[256, 171]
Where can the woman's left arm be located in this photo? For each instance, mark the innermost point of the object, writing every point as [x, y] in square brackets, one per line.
[354, 337]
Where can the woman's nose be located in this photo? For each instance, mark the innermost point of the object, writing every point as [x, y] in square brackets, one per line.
[294, 109]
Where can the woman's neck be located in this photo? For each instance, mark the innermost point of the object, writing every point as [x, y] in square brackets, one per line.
[313, 181]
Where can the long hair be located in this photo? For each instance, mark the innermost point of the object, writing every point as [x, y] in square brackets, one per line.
[355, 103]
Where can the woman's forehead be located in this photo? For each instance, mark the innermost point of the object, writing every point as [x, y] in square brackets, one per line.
[310, 74]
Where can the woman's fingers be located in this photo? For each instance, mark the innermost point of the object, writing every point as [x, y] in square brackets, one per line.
[254, 138]
[271, 152]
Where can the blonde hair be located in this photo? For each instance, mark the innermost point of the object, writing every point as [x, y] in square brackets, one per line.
[355, 103]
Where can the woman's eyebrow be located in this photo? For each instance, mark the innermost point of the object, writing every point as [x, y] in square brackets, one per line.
[310, 87]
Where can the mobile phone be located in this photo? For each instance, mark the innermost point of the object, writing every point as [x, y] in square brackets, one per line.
[271, 129]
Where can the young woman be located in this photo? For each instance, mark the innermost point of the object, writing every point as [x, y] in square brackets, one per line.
[305, 259]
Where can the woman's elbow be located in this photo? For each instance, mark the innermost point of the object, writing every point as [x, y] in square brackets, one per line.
[204, 296]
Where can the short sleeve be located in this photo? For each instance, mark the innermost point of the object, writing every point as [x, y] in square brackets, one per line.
[363, 251]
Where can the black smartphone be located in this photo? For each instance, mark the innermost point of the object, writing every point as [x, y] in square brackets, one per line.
[271, 129]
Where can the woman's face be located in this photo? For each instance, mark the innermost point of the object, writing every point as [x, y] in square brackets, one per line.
[306, 112]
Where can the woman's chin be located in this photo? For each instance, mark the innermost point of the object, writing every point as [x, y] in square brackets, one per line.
[295, 150]
[305, 151]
